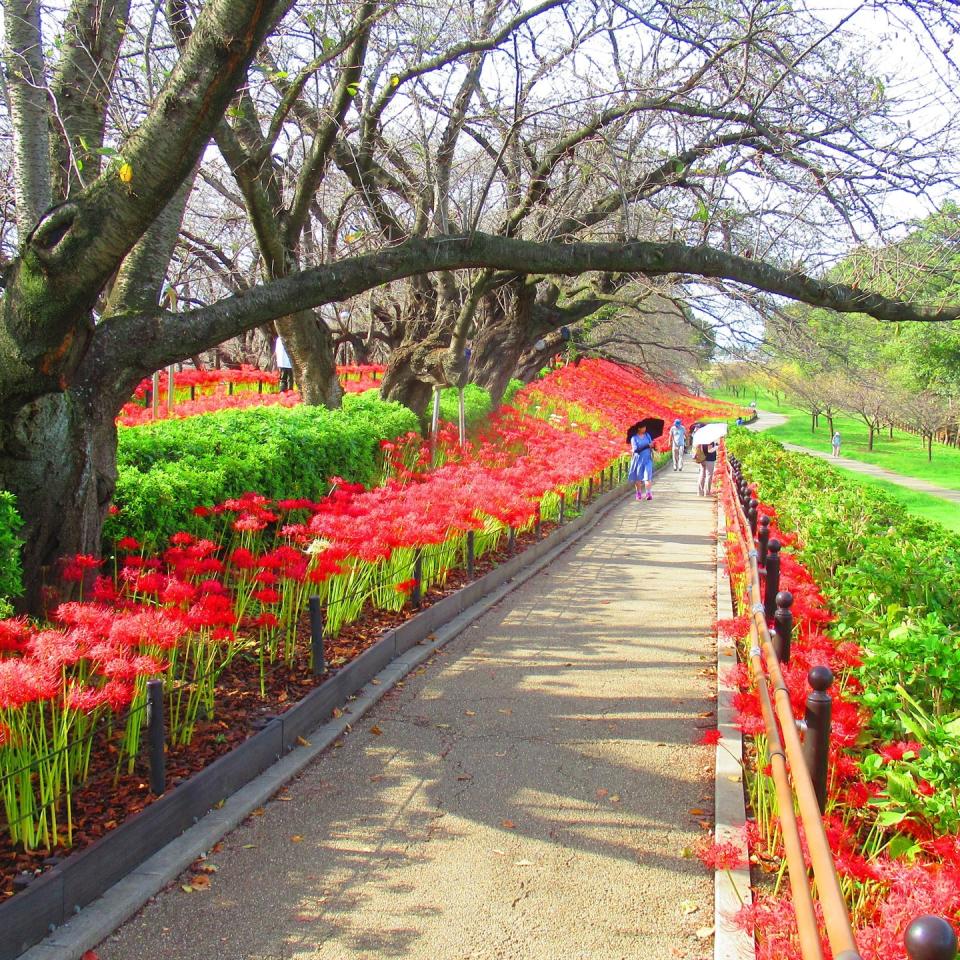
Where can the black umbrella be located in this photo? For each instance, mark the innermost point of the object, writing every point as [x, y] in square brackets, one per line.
[654, 427]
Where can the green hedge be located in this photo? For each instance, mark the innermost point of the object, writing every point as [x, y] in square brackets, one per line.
[167, 469]
[11, 571]
[476, 404]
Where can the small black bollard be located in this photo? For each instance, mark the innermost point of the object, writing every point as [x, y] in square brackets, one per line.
[416, 597]
[512, 542]
[316, 637]
[470, 544]
[620, 472]
[562, 508]
[579, 498]
[193, 392]
[536, 527]
[259, 386]
[930, 938]
[771, 586]
[589, 489]
[816, 740]
[156, 737]
[148, 398]
[610, 487]
[783, 625]
[230, 389]
[752, 515]
[763, 538]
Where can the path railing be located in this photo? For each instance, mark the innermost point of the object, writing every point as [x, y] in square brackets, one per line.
[927, 937]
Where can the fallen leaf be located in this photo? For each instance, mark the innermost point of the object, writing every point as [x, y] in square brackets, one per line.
[704, 932]
[303, 741]
[602, 792]
[523, 863]
[296, 838]
[505, 710]
[337, 713]
[90, 955]
[687, 907]
[469, 713]
[249, 846]
[375, 730]
[374, 682]
[200, 882]
[186, 888]
[615, 798]
[696, 811]
[705, 824]
[686, 853]
[208, 868]
[257, 813]
[376, 778]
[465, 776]
[501, 853]
[508, 824]
[734, 777]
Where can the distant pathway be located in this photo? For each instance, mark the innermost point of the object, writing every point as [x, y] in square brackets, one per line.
[766, 421]
[532, 793]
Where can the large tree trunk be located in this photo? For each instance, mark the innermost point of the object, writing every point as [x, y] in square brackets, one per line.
[311, 348]
[58, 457]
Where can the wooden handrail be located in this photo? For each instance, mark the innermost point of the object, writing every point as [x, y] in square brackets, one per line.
[785, 746]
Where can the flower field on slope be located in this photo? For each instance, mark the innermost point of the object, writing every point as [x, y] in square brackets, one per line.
[205, 391]
[190, 612]
[877, 599]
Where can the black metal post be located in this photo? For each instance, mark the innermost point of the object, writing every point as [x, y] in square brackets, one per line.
[193, 392]
[589, 489]
[763, 538]
[416, 597]
[930, 938]
[259, 386]
[752, 515]
[579, 498]
[772, 584]
[148, 398]
[816, 740]
[316, 637]
[512, 542]
[536, 527]
[783, 625]
[230, 389]
[562, 508]
[611, 477]
[156, 737]
[470, 546]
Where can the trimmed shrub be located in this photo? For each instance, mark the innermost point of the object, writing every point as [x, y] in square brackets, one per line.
[168, 468]
[11, 571]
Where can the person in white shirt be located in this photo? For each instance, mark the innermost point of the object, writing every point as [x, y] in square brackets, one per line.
[678, 443]
[284, 366]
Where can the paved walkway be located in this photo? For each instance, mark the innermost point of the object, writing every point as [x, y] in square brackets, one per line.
[765, 421]
[530, 794]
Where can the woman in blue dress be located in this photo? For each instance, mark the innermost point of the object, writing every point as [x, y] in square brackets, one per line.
[641, 465]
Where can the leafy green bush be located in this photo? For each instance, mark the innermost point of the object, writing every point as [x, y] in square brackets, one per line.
[893, 581]
[167, 469]
[476, 404]
[512, 387]
[11, 572]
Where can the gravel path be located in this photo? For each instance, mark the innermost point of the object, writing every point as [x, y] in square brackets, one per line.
[766, 421]
[532, 792]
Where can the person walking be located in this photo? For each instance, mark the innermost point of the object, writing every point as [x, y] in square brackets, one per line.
[706, 456]
[641, 464]
[678, 443]
[284, 366]
[835, 443]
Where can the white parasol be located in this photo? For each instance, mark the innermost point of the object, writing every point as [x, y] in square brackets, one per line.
[708, 433]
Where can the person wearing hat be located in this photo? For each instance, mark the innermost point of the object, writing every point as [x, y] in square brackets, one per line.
[678, 443]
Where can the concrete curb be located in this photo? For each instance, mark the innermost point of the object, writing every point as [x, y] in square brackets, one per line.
[731, 890]
[97, 921]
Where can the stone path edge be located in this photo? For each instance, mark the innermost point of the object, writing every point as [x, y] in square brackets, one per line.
[731, 890]
[121, 901]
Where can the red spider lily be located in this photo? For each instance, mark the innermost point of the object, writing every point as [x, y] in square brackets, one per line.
[721, 856]
[405, 586]
[710, 737]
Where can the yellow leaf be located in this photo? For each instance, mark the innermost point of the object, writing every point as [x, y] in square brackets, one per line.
[469, 713]
[200, 883]
[509, 825]
[186, 888]
[375, 730]
[615, 798]
[296, 838]
[125, 172]
[602, 793]
[394, 81]
[696, 811]
[337, 712]
[303, 741]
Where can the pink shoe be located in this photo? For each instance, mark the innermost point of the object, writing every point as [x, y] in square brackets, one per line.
[649, 496]
[639, 496]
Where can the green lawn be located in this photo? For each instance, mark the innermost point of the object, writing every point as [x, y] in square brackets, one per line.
[903, 454]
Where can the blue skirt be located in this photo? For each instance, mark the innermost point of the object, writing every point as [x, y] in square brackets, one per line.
[641, 467]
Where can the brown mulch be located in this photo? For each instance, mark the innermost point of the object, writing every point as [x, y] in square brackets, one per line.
[109, 795]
